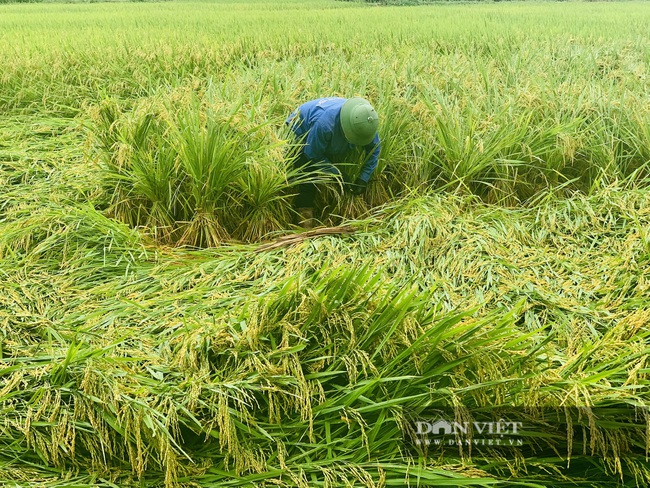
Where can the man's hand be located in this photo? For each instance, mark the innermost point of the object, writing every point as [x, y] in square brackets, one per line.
[356, 188]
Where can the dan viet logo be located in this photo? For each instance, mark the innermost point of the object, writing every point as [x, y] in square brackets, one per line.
[448, 433]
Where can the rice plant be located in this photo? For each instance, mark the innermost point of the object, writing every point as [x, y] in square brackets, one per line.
[196, 178]
[495, 267]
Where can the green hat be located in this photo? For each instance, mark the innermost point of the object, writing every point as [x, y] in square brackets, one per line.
[359, 121]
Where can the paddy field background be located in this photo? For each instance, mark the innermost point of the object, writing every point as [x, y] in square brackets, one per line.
[499, 264]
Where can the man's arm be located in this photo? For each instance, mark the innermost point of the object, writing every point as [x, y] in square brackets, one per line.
[371, 162]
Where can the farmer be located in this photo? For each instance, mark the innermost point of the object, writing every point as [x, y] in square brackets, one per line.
[330, 129]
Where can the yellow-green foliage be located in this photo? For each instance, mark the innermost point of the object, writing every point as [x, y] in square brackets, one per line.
[497, 100]
[127, 362]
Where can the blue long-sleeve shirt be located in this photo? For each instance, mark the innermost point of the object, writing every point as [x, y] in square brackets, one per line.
[319, 121]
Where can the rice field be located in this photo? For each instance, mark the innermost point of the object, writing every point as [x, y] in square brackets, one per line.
[496, 268]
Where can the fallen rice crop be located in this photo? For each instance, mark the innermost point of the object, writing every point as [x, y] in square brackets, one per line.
[497, 266]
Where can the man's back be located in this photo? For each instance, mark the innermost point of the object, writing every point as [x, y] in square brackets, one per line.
[323, 111]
